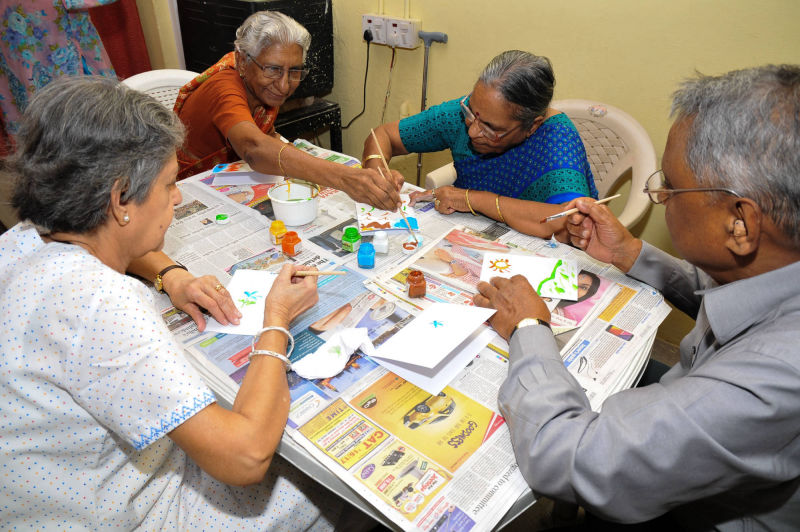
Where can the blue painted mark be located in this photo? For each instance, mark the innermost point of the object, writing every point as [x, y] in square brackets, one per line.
[411, 220]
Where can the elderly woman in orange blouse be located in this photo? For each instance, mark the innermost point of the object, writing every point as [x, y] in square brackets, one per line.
[230, 111]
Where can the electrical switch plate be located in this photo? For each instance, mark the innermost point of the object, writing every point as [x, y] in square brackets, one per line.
[402, 32]
[377, 25]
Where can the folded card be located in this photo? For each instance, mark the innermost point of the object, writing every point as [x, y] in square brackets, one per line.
[248, 289]
[433, 334]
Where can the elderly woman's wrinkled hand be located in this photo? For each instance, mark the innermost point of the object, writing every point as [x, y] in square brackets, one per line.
[421, 195]
[192, 294]
[290, 296]
[450, 199]
[514, 299]
[369, 186]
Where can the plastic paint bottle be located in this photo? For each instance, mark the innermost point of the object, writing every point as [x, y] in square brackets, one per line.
[416, 284]
[277, 230]
[351, 239]
[381, 242]
[291, 243]
[366, 256]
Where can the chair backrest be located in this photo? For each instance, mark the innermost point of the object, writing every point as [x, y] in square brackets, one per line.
[615, 142]
[163, 84]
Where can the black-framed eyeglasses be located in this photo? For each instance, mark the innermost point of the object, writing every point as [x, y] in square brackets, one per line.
[486, 131]
[659, 192]
[276, 72]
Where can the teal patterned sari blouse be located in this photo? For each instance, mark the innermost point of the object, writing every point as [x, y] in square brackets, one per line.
[550, 166]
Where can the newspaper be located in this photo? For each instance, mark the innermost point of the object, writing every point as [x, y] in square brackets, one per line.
[423, 461]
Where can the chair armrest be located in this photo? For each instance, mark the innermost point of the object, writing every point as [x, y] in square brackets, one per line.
[441, 177]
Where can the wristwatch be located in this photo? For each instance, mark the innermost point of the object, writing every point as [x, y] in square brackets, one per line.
[528, 322]
[159, 280]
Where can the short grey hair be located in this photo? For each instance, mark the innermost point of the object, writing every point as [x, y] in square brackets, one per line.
[744, 135]
[525, 80]
[79, 138]
[265, 28]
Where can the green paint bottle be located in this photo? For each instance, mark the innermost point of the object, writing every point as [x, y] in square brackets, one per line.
[351, 239]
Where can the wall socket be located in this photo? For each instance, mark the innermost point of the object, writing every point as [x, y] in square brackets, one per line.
[394, 32]
[402, 32]
[375, 24]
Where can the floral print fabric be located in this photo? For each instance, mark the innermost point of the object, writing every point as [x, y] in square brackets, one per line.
[41, 40]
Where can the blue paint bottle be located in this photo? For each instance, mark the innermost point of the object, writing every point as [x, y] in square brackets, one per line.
[366, 256]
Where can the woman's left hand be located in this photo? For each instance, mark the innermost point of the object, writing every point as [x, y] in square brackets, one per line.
[421, 195]
[450, 199]
[189, 294]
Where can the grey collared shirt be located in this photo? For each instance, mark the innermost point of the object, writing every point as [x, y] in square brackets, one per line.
[716, 441]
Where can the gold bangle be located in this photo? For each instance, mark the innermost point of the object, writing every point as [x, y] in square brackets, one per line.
[369, 157]
[280, 165]
[466, 195]
[497, 204]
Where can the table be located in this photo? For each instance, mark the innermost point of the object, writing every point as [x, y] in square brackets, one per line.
[201, 203]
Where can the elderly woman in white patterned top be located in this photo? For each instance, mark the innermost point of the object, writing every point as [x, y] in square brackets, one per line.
[104, 421]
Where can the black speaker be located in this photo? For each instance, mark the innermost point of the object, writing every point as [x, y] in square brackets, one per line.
[208, 29]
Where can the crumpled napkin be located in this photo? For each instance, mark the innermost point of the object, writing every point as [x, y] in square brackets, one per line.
[329, 360]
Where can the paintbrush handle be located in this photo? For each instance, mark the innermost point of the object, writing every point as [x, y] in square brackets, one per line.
[574, 210]
[309, 273]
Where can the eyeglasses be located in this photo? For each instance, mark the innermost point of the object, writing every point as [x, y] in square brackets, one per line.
[489, 133]
[276, 72]
[659, 192]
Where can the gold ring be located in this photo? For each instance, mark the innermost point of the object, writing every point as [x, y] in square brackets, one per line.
[218, 287]
[436, 203]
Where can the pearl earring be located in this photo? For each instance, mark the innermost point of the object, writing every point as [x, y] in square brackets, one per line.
[126, 218]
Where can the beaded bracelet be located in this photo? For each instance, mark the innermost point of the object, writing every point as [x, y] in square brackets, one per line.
[275, 328]
[497, 204]
[266, 352]
[466, 195]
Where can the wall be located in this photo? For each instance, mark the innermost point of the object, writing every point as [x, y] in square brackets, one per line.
[628, 53]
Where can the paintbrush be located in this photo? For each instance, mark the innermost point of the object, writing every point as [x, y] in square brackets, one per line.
[308, 273]
[573, 211]
[387, 177]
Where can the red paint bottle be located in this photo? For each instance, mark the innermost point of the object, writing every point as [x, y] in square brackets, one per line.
[291, 243]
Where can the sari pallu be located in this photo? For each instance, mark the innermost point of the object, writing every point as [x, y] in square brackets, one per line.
[549, 166]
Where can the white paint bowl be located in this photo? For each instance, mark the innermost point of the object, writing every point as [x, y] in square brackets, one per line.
[295, 203]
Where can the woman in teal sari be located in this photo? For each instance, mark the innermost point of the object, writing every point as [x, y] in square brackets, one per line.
[517, 159]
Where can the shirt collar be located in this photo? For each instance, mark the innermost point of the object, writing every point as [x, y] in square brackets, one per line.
[733, 307]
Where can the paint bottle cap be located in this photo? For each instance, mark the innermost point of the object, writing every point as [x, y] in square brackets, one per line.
[222, 219]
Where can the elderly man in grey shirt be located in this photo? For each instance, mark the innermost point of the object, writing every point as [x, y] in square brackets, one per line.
[715, 444]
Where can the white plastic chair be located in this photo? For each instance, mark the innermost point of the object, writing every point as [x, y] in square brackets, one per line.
[162, 84]
[615, 143]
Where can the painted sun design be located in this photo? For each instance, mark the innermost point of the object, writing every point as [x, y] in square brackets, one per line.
[499, 265]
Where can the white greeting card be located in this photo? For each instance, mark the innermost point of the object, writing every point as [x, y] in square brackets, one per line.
[373, 219]
[550, 277]
[248, 289]
[240, 173]
[433, 334]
